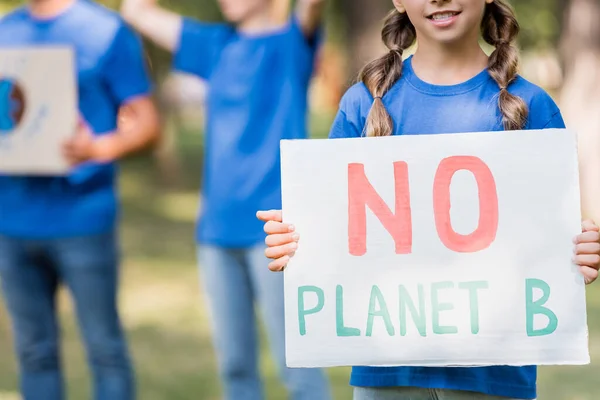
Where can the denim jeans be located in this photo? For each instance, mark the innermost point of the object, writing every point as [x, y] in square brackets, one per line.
[30, 273]
[413, 393]
[235, 280]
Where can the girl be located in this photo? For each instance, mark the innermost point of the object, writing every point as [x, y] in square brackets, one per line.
[62, 230]
[449, 85]
[258, 74]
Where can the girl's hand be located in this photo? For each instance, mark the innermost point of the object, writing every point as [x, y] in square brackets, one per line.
[79, 148]
[84, 146]
[281, 240]
[587, 251]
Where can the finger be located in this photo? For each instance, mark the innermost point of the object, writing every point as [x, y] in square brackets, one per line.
[589, 225]
[271, 215]
[274, 227]
[279, 264]
[589, 274]
[72, 161]
[587, 237]
[280, 251]
[588, 248]
[68, 146]
[285, 238]
[68, 151]
[587, 260]
[72, 155]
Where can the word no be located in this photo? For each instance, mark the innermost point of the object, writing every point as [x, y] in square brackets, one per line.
[399, 223]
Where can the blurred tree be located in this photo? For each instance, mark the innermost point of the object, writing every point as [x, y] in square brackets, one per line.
[580, 96]
[364, 20]
[540, 22]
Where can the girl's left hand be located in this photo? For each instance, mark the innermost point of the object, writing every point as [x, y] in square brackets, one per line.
[587, 251]
[85, 146]
[80, 148]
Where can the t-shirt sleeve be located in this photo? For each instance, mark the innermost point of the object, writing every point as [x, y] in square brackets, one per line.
[305, 48]
[351, 118]
[125, 70]
[544, 113]
[342, 127]
[555, 122]
[310, 44]
[199, 46]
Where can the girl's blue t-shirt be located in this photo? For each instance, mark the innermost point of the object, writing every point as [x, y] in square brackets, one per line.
[257, 95]
[110, 71]
[417, 107]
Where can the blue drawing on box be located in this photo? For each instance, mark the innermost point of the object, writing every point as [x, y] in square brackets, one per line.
[35, 124]
[12, 105]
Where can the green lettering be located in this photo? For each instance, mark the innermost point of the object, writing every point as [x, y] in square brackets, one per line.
[377, 297]
[537, 307]
[437, 307]
[302, 312]
[339, 315]
[473, 301]
[418, 317]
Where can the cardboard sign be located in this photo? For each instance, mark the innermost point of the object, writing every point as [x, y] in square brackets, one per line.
[38, 109]
[434, 250]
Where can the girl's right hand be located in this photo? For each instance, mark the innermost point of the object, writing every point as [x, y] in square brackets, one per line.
[281, 241]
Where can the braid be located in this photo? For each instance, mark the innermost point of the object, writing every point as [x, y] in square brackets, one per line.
[380, 75]
[500, 28]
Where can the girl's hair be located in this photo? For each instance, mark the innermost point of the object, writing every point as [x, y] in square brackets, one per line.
[499, 28]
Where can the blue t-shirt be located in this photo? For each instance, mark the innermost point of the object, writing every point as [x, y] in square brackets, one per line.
[111, 70]
[417, 107]
[257, 95]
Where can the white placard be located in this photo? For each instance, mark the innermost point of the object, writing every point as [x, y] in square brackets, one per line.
[38, 109]
[434, 250]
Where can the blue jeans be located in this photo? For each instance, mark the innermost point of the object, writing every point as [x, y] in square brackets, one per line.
[30, 272]
[414, 393]
[234, 281]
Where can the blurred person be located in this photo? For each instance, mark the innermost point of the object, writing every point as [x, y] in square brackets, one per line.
[258, 72]
[63, 230]
[448, 74]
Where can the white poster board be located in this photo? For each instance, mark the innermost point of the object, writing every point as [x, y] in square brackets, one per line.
[38, 109]
[462, 255]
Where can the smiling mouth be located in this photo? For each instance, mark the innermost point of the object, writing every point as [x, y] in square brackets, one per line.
[444, 15]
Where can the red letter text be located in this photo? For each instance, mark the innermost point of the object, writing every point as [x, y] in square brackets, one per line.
[485, 233]
[362, 194]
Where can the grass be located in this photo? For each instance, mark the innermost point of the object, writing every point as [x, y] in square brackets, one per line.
[165, 314]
